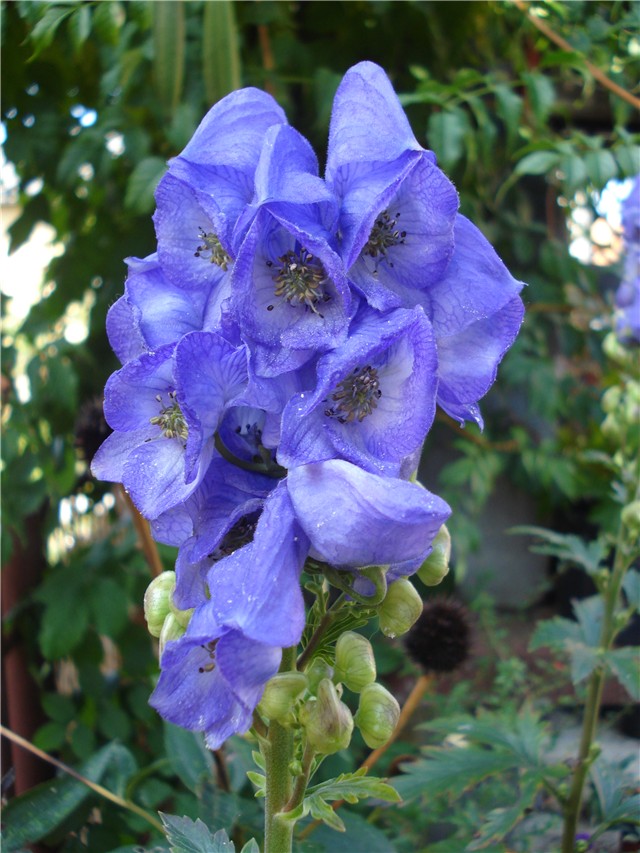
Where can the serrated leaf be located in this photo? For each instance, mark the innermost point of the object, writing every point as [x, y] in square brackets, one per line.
[451, 769]
[542, 95]
[368, 836]
[34, 815]
[500, 821]
[590, 613]
[623, 663]
[617, 799]
[631, 587]
[509, 109]
[355, 786]
[537, 163]
[190, 759]
[143, 182]
[217, 807]
[169, 50]
[555, 633]
[583, 659]
[220, 53]
[567, 547]
[188, 836]
[251, 847]
[109, 606]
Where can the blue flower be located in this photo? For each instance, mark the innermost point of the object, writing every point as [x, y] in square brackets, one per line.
[290, 294]
[627, 315]
[354, 518]
[397, 208]
[213, 677]
[374, 400]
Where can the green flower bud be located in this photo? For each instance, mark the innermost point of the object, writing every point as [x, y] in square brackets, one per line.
[631, 517]
[377, 715]
[611, 399]
[171, 630]
[327, 721]
[280, 695]
[400, 609]
[316, 671]
[355, 663]
[611, 427]
[436, 566]
[157, 601]
[183, 616]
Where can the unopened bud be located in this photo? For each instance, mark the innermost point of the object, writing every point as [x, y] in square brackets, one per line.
[436, 566]
[401, 607]
[611, 427]
[631, 517]
[355, 663]
[280, 694]
[316, 671]
[157, 601]
[377, 715]
[171, 630]
[327, 720]
[611, 399]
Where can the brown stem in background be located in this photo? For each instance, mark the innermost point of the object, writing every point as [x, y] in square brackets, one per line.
[268, 62]
[597, 74]
[149, 547]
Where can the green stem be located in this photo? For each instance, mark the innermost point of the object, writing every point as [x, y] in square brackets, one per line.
[278, 754]
[300, 787]
[586, 754]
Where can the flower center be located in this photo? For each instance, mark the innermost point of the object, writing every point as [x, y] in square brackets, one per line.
[211, 249]
[239, 535]
[301, 280]
[384, 235]
[356, 396]
[171, 420]
[210, 648]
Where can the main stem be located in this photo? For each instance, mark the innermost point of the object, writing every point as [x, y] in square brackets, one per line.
[278, 755]
[594, 698]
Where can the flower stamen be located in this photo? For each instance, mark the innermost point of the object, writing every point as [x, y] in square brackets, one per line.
[210, 648]
[211, 249]
[356, 396]
[301, 280]
[171, 420]
[384, 235]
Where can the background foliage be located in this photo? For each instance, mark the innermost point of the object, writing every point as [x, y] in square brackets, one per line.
[96, 97]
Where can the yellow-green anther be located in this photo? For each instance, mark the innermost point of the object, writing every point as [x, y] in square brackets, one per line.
[355, 663]
[171, 630]
[400, 609]
[316, 671]
[377, 715]
[327, 721]
[436, 566]
[157, 601]
[280, 695]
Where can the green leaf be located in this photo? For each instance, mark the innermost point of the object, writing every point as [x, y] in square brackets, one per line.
[190, 760]
[259, 781]
[628, 157]
[500, 821]
[537, 163]
[80, 26]
[34, 815]
[108, 18]
[601, 167]
[187, 836]
[509, 110]
[169, 51]
[631, 587]
[50, 737]
[623, 663]
[542, 95]
[590, 614]
[143, 182]
[446, 132]
[555, 633]
[43, 32]
[574, 170]
[566, 547]
[65, 621]
[355, 786]
[451, 769]
[584, 659]
[251, 847]
[109, 602]
[616, 791]
[220, 53]
[368, 836]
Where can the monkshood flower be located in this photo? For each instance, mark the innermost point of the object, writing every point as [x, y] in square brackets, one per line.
[627, 317]
[154, 312]
[213, 677]
[397, 208]
[290, 294]
[404, 243]
[195, 227]
[374, 399]
[165, 407]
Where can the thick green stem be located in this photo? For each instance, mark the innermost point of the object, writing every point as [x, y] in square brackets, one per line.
[278, 755]
[594, 697]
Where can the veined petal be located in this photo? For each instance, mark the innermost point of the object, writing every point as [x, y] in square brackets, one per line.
[354, 518]
[131, 392]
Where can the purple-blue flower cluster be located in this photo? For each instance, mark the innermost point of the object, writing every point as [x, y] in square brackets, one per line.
[627, 319]
[283, 352]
